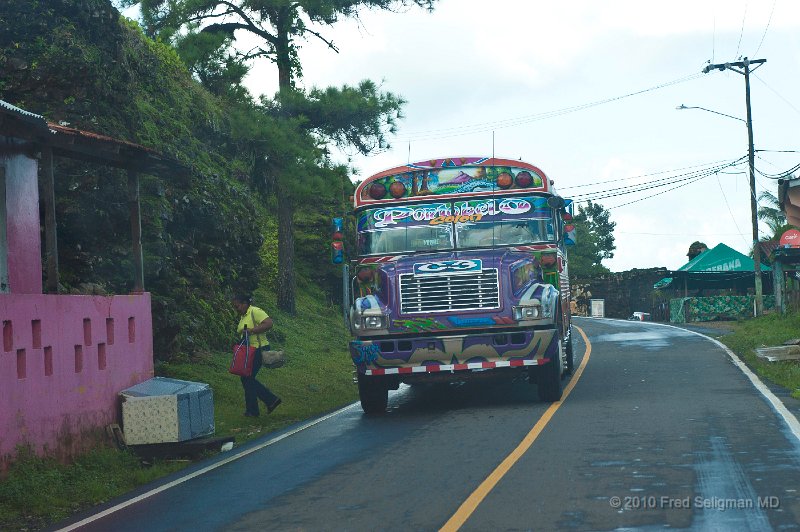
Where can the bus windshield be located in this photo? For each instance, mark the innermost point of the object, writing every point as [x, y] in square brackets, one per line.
[473, 224]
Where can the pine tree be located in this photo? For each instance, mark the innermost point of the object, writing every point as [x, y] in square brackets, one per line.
[360, 117]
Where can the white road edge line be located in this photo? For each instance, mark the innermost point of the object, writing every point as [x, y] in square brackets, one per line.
[202, 471]
[777, 404]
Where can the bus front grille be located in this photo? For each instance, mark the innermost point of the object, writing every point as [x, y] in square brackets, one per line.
[442, 293]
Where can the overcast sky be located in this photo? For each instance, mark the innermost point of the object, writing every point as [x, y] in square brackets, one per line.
[588, 91]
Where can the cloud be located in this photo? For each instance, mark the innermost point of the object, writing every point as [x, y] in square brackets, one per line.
[471, 68]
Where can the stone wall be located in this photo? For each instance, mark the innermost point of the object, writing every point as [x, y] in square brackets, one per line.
[624, 293]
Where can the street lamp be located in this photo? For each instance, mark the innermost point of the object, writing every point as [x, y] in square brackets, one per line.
[753, 205]
[681, 107]
[743, 67]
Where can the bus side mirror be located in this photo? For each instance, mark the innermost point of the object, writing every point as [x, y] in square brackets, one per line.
[569, 235]
[337, 246]
[555, 202]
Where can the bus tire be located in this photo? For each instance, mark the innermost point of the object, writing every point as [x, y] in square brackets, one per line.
[548, 377]
[373, 393]
[570, 356]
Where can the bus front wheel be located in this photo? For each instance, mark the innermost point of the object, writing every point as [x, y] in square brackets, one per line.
[548, 378]
[373, 393]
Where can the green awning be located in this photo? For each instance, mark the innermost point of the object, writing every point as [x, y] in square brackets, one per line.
[663, 283]
[721, 259]
[719, 267]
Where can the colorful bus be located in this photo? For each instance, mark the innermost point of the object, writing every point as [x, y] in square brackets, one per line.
[461, 269]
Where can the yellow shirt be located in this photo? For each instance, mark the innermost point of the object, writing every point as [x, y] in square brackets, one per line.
[251, 318]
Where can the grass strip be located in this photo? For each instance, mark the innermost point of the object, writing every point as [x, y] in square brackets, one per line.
[318, 378]
[767, 331]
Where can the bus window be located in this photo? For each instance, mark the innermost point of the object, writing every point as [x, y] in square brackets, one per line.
[406, 239]
[503, 233]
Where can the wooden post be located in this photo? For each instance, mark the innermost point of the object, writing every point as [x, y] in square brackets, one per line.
[50, 232]
[136, 231]
[779, 281]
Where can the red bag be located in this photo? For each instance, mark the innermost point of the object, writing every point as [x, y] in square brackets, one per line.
[243, 357]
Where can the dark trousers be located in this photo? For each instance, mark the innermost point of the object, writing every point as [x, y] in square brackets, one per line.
[254, 390]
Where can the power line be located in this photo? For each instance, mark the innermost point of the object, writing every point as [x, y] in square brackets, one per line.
[767, 27]
[656, 194]
[656, 183]
[790, 104]
[666, 181]
[482, 127]
[766, 161]
[686, 179]
[621, 191]
[728, 205]
[770, 162]
[713, 39]
[761, 183]
[741, 32]
[780, 175]
[676, 234]
[638, 176]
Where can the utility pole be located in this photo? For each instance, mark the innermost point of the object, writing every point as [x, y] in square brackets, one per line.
[743, 67]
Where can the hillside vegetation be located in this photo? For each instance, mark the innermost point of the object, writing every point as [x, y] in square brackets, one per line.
[205, 237]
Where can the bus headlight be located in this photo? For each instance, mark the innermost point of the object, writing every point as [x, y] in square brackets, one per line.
[367, 314]
[527, 312]
[375, 322]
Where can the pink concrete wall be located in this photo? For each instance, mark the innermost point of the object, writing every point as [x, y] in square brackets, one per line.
[63, 361]
[22, 218]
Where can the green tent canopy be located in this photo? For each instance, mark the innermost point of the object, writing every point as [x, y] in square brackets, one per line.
[719, 267]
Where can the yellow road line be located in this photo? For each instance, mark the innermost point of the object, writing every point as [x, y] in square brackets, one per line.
[469, 506]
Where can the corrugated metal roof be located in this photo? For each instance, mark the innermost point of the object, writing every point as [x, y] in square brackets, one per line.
[27, 116]
[86, 145]
[71, 131]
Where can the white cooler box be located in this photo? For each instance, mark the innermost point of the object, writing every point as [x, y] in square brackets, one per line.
[162, 410]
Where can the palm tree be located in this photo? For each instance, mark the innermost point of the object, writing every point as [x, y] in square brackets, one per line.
[769, 212]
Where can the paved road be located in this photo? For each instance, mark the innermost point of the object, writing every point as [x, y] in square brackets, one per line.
[660, 430]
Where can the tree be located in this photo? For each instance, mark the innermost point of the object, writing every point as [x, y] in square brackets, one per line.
[356, 117]
[595, 241]
[696, 248]
[769, 211]
[277, 24]
[360, 117]
[210, 59]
